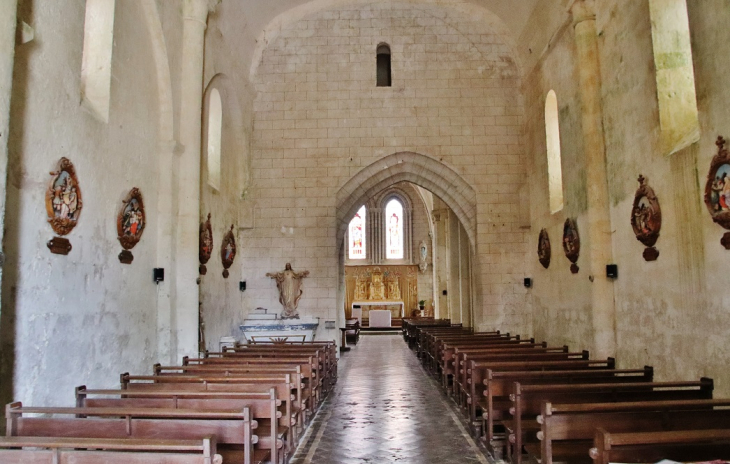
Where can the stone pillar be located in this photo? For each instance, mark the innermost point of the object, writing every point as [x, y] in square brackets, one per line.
[599, 222]
[440, 268]
[185, 302]
[453, 268]
[465, 278]
[8, 12]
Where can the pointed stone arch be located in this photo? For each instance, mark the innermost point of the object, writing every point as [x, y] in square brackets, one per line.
[412, 167]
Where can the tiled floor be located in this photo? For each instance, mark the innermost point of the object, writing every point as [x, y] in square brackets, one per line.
[386, 409]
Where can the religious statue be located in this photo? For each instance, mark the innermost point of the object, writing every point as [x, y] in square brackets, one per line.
[361, 289]
[377, 288]
[289, 284]
[393, 289]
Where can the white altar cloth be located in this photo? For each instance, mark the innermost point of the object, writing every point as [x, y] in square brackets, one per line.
[379, 318]
[363, 303]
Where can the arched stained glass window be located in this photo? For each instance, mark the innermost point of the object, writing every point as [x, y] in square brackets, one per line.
[555, 164]
[357, 235]
[215, 126]
[394, 230]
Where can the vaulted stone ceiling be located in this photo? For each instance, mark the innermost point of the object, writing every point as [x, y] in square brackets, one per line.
[258, 21]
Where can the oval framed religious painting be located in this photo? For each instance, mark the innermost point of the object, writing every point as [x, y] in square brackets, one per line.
[543, 249]
[646, 219]
[63, 204]
[205, 245]
[131, 222]
[717, 189]
[571, 243]
[228, 251]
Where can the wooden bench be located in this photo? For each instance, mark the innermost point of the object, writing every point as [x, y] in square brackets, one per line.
[253, 384]
[497, 386]
[461, 381]
[262, 406]
[300, 387]
[527, 402]
[309, 378]
[60, 450]
[232, 429]
[680, 445]
[317, 371]
[567, 430]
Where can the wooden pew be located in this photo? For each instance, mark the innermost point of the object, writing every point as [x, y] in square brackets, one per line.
[527, 401]
[323, 356]
[567, 430]
[452, 357]
[678, 445]
[262, 406]
[478, 369]
[461, 381]
[300, 389]
[309, 368]
[497, 387]
[254, 384]
[232, 429]
[448, 349]
[309, 378]
[59, 450]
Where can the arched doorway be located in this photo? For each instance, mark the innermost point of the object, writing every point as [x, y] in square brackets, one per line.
[451, 246]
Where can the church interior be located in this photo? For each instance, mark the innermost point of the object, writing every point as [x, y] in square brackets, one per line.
[550, 168]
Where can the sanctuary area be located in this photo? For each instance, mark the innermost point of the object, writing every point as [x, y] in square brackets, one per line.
[210, 197]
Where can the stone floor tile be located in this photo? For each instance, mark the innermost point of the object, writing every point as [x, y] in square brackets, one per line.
[386, 409]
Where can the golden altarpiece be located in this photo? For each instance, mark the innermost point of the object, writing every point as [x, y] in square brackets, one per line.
[393, 288]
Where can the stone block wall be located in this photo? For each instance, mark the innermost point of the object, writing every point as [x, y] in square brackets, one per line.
[319, 119]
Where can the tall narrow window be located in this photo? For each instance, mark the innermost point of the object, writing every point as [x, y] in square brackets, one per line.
[215, 124]
[356, 234]
[675, 78]
[394, 230]
[555, 168]
[383, 65]
[96, 61]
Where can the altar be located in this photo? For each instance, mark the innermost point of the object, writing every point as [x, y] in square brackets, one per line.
[396, 313]
[391, 289]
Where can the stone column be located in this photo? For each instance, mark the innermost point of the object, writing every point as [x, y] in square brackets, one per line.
[599, 222]
[440, 264]
[185, 306]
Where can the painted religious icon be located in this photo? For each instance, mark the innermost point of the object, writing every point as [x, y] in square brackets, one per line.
[63, 204]
[544, 251]
[228, 251]
[646, 218]
[571, 243]
[717, 189]
[131, 222]
[205, 245]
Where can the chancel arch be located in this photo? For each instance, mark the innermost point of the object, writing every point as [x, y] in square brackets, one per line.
[397, 178]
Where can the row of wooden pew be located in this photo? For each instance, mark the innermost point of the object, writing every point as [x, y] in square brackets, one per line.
[530, 400]
[247, 404]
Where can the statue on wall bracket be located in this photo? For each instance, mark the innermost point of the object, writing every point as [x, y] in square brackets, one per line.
[289, 284]
[423, 254]
[228, 251]
[205, 245]
[63, 205]
[543, 249]
[717, 189]
[646, 219]
[571, 243]
[131, 222]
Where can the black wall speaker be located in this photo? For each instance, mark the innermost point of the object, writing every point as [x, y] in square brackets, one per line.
[158, 274]
[242, 286]
[528, 282]
[612, 271]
